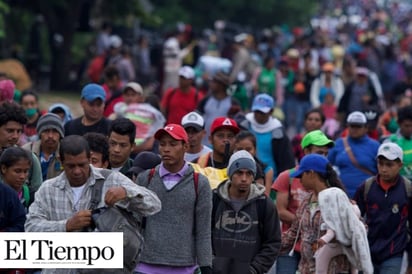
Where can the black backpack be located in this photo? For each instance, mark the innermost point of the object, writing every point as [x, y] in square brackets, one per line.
[117, 219]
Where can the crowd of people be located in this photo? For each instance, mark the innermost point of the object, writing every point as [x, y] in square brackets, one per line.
[290, 154]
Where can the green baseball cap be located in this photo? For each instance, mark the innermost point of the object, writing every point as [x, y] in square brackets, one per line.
[316, 138]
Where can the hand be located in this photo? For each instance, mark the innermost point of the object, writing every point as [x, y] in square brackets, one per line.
[321, 243]
[409, 270]
[80, 220]
[115, 194]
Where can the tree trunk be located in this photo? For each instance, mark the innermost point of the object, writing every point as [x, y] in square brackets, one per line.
[62, 22]
[61, 60]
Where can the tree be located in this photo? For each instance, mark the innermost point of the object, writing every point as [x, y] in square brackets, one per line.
[62, 18]
[259, 13]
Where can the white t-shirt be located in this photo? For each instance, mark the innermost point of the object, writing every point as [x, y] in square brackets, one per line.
[77, 193]
[189, 157]
[116, 168]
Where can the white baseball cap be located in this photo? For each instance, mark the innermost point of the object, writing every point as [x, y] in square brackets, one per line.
[187, 72]
[357, 117]
[193, 119]
[135, 87]
[115, 41]
[390, 151]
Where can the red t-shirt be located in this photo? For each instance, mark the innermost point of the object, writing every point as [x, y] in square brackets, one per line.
[177, 103]
[111, 102]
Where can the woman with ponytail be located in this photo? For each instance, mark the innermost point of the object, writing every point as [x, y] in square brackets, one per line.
[326, 210]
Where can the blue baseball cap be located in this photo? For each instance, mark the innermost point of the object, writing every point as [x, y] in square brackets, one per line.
[263, 102]
[315, 162]
[91, 92]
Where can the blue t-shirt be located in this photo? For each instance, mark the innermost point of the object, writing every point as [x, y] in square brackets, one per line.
[364, 150]
[264, 149]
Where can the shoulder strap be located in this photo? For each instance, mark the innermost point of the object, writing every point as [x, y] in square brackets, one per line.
[369, 181]
[202, 103]
[408, 186]
[195, 180]
[96, 193]
[290, 183]
[149, 179]
[26, 195]
[196, 183]
[367, 187]
[353, 159]
[261, 209]
[203, 159]
[215, 205]
[98, 188]
[151, 174]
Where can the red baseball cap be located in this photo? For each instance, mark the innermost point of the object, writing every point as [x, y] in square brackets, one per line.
[176, 131]
[224, 122]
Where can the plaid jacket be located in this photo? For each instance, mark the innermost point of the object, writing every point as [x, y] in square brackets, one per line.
[53, 204]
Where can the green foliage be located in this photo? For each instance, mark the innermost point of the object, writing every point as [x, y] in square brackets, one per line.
[258, 13]
[120, 12]
[4, 9]
[81, 44]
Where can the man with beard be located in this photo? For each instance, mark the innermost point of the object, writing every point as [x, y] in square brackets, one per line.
[51, 131]
[177, 239]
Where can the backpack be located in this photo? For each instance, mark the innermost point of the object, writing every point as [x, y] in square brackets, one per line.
[195, 180]
[117, 219]
[370, 180]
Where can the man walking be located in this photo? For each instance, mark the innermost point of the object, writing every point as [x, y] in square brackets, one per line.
[177, 239]
[121, 143]
[50, 130]
[385, 201]
[245, 223]
[194, 125]
[92, 101]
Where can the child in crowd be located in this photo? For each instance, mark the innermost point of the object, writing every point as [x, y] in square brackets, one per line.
[245, 140]
[342, 222]
[330, 110]
[29, 100]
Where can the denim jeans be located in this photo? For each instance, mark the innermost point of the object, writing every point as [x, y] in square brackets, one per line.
[286, 264]
[289, 108]
[301, 108]
[390, 266]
